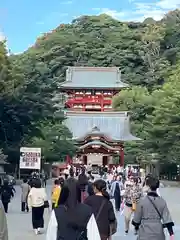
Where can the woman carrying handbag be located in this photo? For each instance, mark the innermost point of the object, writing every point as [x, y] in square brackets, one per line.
[103, 210]
[37, 200]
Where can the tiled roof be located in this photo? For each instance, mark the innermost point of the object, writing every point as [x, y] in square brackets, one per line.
[113, 124]
[93, 77]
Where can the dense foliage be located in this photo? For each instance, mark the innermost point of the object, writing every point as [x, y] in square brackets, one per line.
[27, 109]
[147, 54]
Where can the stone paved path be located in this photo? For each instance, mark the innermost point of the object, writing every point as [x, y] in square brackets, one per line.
[19, 224]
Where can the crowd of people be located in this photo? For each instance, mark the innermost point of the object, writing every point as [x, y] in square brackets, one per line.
[82, 206]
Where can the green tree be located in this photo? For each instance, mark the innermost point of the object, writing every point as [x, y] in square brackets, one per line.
[140, 104]
[164, 122]
[26, 102]
[56, 142]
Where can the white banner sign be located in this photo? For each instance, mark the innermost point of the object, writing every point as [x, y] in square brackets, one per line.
[30, 158]
[94, 159]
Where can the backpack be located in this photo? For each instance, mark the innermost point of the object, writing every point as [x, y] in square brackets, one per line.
[55, 195]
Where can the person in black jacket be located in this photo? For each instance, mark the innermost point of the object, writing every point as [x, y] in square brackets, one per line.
[72, 185]
[6, 193]
[67, 223]
[83, 184]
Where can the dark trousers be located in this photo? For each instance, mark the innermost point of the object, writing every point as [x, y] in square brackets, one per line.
[117, 202]
[5, 204]
[24, 207]
[37, 217]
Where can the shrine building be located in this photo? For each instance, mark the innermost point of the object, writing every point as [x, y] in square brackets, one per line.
[99, 132]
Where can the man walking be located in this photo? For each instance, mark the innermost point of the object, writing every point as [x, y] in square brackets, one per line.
[3, 224]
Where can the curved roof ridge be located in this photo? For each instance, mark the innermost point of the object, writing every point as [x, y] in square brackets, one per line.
[97, 142]
[95, 131]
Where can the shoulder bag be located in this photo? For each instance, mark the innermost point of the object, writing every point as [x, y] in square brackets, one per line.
[158, 212]
[100, 209]
[83, 234]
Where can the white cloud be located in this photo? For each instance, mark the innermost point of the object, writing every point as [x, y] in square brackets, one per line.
[140, 11]
[168, 4]
[67, 2]
[143, 11]
[155, 10]
[112, 13]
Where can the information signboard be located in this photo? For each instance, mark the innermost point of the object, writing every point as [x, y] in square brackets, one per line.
[30, 158]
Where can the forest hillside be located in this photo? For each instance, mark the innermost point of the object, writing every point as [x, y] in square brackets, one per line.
[148, 55]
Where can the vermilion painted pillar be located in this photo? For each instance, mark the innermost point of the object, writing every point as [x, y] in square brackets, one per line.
[101, 98]
[122, 156]
[84, 107]
[68, 160]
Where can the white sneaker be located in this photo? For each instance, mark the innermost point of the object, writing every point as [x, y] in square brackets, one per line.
[36, 231]
[39, 230]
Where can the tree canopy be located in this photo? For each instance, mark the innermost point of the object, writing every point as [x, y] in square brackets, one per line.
[27, 109]
[148, 56]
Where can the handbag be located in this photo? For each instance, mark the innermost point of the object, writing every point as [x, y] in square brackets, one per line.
[46, 204]
[113, 227]
[134, 205]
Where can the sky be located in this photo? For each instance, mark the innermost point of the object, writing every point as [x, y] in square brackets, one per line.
[22, 21]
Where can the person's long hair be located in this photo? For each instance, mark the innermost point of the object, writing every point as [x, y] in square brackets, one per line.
[63, 195]
[75, 219]
[6, 183]
[100, 185]
[36, 183]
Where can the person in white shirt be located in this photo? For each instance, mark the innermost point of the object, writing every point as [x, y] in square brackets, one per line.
[66, 173]
[71, 224]
[36, 200]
